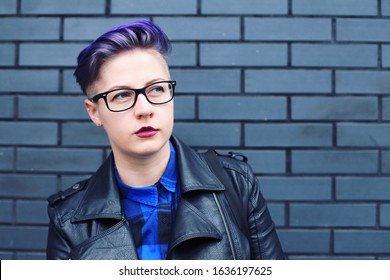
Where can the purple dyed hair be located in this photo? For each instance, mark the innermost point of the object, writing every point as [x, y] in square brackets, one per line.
[142, 34]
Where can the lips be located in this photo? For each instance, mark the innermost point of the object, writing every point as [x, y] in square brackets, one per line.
[146, 132]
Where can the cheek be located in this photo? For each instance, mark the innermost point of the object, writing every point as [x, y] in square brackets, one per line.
[170, 114]
[114, 123]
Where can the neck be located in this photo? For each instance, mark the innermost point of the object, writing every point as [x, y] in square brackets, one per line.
[143, 171]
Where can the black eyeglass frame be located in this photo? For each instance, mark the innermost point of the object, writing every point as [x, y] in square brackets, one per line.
[137, 91]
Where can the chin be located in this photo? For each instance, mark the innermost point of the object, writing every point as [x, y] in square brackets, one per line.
[148, 148]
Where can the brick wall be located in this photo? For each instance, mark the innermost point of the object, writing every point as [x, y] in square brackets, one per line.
[300, 86]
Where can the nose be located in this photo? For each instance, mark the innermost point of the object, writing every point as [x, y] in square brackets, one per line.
[142, 107]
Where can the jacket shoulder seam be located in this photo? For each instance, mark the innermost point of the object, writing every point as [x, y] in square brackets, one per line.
[61, 196]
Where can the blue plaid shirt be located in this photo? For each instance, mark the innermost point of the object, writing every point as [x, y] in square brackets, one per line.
[150, 211]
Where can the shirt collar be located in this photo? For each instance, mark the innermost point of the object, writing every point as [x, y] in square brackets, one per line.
[149, 194]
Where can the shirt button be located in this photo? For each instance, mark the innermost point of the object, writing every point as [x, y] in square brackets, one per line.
[164, 220]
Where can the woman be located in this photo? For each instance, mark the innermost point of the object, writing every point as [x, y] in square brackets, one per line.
[153, 198]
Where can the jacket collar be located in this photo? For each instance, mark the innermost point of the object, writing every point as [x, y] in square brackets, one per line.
[193, 171]
[102, 197]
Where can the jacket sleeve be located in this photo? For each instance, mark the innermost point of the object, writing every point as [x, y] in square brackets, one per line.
[264, 240]
[57, 246]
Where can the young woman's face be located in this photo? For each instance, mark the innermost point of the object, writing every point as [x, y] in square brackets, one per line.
[144, 129]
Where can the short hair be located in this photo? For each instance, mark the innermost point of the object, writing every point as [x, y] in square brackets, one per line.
[142, 34]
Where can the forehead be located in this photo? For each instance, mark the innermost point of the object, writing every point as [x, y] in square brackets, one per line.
[133, 68]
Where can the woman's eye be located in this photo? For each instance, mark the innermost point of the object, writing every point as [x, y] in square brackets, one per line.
[157, 89]
[121, 96]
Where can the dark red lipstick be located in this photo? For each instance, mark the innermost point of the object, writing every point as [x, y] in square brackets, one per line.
[146, 132]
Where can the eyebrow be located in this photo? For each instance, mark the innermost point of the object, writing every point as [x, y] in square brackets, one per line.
[148, 83]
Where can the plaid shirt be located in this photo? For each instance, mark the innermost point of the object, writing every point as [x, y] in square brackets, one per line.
[150, 210]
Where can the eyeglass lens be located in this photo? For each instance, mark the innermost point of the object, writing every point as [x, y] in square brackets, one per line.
[122, 99]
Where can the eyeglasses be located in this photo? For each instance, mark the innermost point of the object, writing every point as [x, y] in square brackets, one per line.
[122, 99]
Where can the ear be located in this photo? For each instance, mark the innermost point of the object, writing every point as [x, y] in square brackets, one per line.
[92, 111]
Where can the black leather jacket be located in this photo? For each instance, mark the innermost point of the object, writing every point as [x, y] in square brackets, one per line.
[87, 222]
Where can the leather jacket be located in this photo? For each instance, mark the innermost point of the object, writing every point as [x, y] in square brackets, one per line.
[87, 221]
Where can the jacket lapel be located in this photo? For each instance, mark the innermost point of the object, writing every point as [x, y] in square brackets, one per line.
[102, 198]
[191, 223]
[195, 176]
[102, 201]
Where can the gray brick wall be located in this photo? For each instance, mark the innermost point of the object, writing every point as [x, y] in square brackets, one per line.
[302, 87]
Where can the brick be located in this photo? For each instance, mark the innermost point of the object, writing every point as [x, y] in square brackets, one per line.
[386, 161]
[27, 185]
[331, 55]
[209, 134]
[305, 241]
[363, 30]
[14, 237]
[153, 7]
[362, 188]
[335, 161]
[52, 107]
[64, 54]
[8, 7]
[384, 215]
[6, 255]
[277, 213]
[332, 215]
[31, 212]
[243, 54]
[6, 212]
[58, 159]
[362, 82]
[362, 241]
[363, 135]
[386, 56]
[223, 28]
[288, 81]
[335, 7]
[83, 134]
[288, 135]
[79, 28]
[29, 28]
[69, 7]
[6, 159]
[67, 180]
[334, 108]
[386, 109]
[69, 83]
[288, 29]
[266, 161]
[184, 107]
[244, 7]
[242, 108]
[296, 188]
[30, 256]
[183, 54]
[206, 81]
[7, 107]
[385, 7]
[7, 54]
[27, 133]
[33, 81]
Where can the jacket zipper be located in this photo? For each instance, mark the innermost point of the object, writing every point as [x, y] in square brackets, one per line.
[226, 226]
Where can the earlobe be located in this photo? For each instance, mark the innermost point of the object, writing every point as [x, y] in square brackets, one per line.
[92, 112]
